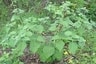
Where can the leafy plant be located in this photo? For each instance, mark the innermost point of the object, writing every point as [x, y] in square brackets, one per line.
[78, 3]
[62, 26]
[92, 8]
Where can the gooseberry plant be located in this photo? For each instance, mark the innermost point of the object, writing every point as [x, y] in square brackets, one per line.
[62, 26]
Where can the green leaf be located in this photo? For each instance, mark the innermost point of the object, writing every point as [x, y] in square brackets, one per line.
[40, 28]
[19, 49]
[48, 51]
[81, 42]
[66, 22]
[68, 33]
[58, 55]
[21, 62]
[17, 10]
[58, 12]
[76, 36]
[37, 28]
[29, 34]
[73, 47]
[55, 37]
[77, 24]
[15, 17]
[87, 25]
[34, 46]
[42, 57]
[59, 45]
[12, 42]
[40, 38]
[94, 59]
[53, 27]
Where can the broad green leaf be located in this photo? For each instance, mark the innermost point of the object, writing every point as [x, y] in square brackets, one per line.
[58, 55]
[48, 51]
[13, 32]
[68, 33]
[21, 62]
[37, 28]
[28, 33]
[12, 42]
[81, 30]
[40, 28]
[34, 46]
[93, 24]
[58, 12]
[15, 17]
[87, 25]
[53, 27]
[72, 47]
[76, 37]
[34, 37]
[42, 57]
[94, 59]
[66, 22]
[55, 37]
[17, 10]
[40, 38]
[19, 49]
[26, 39]
[77, 24]
[59, 45]
[81, 42]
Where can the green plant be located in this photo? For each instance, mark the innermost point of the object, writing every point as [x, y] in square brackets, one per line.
[92, 8]
[62, 26]
[78, 3]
